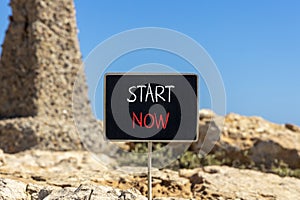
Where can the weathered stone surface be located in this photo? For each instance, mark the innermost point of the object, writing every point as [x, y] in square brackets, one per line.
[40, 59]
[12, 189]
[2, 158]
[221, 182]
[250, 140]
[39, 65]
[206, 114]
[16, 189]
[75, 174]
[95, 192]
[292, 127]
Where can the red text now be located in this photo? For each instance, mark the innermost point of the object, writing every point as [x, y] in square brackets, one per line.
[141, 120]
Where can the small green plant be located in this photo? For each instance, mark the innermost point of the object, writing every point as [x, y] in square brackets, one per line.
[189, 160]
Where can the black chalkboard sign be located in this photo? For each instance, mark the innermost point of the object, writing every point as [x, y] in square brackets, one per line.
[151, 107]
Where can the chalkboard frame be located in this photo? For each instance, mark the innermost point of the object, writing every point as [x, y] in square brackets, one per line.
[150, 140]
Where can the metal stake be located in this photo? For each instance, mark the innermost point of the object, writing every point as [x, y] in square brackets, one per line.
[149, 171]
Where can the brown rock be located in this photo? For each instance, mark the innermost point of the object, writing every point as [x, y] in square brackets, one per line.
[206, 114]
[38, 69]
[292, 127]
[250, 140]
[230, 183]
[2, 158]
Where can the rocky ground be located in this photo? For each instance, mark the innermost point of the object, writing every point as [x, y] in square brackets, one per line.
[48, 175]
[247, 148]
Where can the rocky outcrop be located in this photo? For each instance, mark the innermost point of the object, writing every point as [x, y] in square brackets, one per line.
[76, 175]
[39, 66]
[249, 141]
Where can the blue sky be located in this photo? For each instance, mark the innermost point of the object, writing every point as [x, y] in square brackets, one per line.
[255, 44]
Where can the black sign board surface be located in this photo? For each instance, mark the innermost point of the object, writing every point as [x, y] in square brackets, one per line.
[151, 107]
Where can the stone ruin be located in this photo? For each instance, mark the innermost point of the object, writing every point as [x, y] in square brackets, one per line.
[39, 66]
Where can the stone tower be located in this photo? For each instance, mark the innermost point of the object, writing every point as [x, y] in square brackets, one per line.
[39, 64]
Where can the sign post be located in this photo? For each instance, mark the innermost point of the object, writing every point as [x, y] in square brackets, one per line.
[149, 171]
[151, 108]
